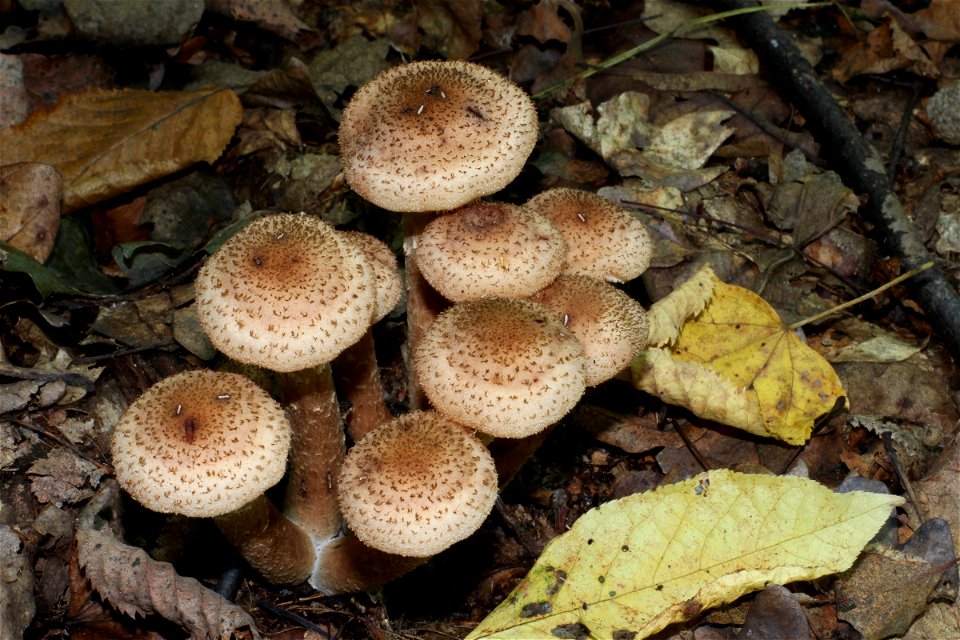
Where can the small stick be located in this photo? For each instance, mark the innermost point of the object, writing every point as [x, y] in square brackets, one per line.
[859, 299]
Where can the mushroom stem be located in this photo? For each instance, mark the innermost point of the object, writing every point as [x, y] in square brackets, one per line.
[358, 377]
[510, 454]
[424, 304]
[316, 452]
[275, 547]
[346, 565]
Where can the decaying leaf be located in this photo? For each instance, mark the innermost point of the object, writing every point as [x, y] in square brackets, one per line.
[672, 154]
[135, 584]
[737, 363]
[104, 143]
[633, 566]
[30, 207]
[667, 316]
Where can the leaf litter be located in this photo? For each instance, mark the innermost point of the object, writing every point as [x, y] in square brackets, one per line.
[700, 149]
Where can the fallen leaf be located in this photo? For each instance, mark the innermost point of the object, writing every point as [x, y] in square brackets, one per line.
[632, 566]
[887, 48]
[104, 143]
[671, 154]
[885, 591]
[136, 584]
[273, 15]
[736, 363]
[30, 207]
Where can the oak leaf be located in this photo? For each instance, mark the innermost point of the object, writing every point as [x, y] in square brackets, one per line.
[736, 363]
[104, 143]
[632, 566]
[136, 584]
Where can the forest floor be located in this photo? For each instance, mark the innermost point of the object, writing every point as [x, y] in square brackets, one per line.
[693, 135]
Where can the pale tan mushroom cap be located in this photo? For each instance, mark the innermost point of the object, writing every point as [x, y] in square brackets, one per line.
[386, 276]
[505, 367]
[416, 485]
[285, 293]
[435, 135]
[490, 250]
[603, 240]
[611, 326]
[201, 444]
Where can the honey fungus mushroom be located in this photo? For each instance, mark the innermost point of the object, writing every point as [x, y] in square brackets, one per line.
[435, 135]
[416, 485]
[288, 293]
[208, 444]
[505, 367]
[285, 293]
[603, 240]
[490, 249]
[611, 326]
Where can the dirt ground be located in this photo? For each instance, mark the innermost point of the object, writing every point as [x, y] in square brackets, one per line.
[696, 135]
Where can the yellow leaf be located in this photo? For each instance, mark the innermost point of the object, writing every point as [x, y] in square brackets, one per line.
[775, 385]
[633, 566]
[667, 316]
[104, 143]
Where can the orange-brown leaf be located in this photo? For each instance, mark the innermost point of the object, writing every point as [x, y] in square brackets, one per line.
[30, 207]
[104, 143]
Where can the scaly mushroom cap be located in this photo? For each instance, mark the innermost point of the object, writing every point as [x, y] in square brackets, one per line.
[201, 444]
[505, 367]
[611, 326]
[490, 250]
[435, 135]
[603, 240]
[285, 293]
[387, 282]
[416, 485]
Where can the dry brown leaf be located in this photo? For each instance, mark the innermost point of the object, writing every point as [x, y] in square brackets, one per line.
[272, 15]
[136, 584]
[104, 143]
[888, 47]
[30, 207]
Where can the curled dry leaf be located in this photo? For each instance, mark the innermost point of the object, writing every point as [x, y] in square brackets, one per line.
[30, 207]
[668, 315]
[104, 143]
[136, 584]
[736, 363]
[632, 566]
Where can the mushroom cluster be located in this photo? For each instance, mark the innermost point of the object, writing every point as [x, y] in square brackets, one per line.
[527, 319]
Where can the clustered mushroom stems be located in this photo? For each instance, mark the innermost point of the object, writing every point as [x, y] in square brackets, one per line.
[450, 117]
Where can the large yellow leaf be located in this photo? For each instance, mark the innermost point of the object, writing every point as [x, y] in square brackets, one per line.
[632, 566]
[103, 143]
[736, 363]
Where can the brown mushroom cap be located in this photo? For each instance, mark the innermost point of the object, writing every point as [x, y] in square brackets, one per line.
[611, 326]
[285, 293]
[435, 135]
[201, 444]
[505, 367]
[387, 282]
[603, 240]
[416, 485]
[490, 249]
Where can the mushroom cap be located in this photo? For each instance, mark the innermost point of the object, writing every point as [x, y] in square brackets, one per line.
[434, 135]
[416, 485]
[490, 249]
[286, 293]
[388, 284]
[505, 367]
[611, 326]
[201, 444]
[603, 240]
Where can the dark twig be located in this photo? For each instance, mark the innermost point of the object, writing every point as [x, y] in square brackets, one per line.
[295, 618]
[887, 439]
[857, 161]
[896, 150]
